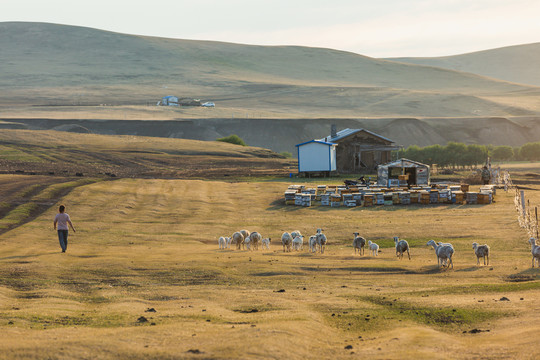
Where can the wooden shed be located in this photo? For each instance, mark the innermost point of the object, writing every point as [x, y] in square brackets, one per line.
[360, 150]
[411, 172]
[316, 156]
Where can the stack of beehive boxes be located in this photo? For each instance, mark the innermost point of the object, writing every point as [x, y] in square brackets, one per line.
[335, 200]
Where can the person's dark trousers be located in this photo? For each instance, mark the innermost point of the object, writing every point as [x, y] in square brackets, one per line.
[63, 237]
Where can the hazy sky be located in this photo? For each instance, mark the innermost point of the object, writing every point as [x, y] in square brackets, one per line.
[377, 28]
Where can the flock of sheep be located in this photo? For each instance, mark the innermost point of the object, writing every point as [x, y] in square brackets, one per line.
[317, 243]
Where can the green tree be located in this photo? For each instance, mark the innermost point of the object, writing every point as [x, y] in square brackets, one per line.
[456, 153]
[475, 154]
[502, 153]
[233, 139]
[530, 151]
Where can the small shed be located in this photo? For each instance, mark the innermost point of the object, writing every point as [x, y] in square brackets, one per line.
[415, 173]
[169, 100]
[316, 156]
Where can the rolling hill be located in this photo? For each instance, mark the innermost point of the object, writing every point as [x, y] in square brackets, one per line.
[518, 64]
[74, 78]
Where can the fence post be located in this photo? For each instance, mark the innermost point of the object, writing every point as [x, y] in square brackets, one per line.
[536, 215]
[523, 205]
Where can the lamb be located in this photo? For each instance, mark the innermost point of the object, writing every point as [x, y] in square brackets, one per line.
[298, 243]
[266, 243]
[313, 243]
[535, 251]
[481, 251]
[286, 241]
[247, 242]
[321, 240]
[358, 243]
[401, 247]
[224, 242]
[374, 248]
[255, 238]
[444, 253]
[238, 239]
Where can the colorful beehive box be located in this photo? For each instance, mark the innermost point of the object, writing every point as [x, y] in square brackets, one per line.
[424, 197]
[379, 198]
[433, 196]
[472, 198]
[405, 197]
[306, 200]
[485, 197]
[325, 199]
[415, 196]
[349, 203]
[358, 197]
[368, 199]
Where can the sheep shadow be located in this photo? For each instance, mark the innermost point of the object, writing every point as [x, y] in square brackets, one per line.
[530, 274]
[367, 270]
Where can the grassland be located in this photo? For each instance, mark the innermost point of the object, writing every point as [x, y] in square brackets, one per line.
[143, 278]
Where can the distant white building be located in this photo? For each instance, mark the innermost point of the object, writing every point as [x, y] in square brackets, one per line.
[169, 100]
[316, 156]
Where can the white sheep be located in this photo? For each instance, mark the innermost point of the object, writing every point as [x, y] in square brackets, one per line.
[358, 243]
[245, 233]
[401, 247]
[255, 238]
[481, 251]
[321, 241]
[535, 251]
[228, 240]
[222, 242]
[444, 253]
[247, 243]
[286, 241]
[374, 248]
[238, 239]
[266, 243]
[296, 233]
[298, 243]
[313, 243]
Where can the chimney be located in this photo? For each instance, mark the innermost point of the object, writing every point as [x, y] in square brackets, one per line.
[333, 131]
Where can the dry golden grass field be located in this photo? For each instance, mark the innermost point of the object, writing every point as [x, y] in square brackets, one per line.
[143, 278]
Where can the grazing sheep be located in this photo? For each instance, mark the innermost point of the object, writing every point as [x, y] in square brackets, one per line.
[298, 243]
[296, 233]
[444, 253]
[481, 251]
[222, 242]
[247, 243]
[313, 243]
[374, 248]
[266, 243]
[255, 239]
[401, 247]
[358, 243]
[286, 241]
[321, 240]
[238, 239]
[228, 240]
[535, 251]
[245, 233]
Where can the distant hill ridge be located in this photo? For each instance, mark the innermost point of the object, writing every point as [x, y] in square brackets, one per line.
[518, 63]
[50, 64]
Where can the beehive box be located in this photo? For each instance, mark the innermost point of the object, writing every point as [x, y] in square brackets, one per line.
[455, 188]
[306, 200]
[395, 198]
[424, 197]
[405, 197]
[349, 203]
[485, 197]
[358, 197]
[325, 199]
[290, 196]
[465, 187]
[321, 189]
[434, 197]
[368, 199]
[489, 188]
[458, 197]
[388, 199]
[415, 197]
[298, 199]
[348, 196]
[445, 196]
[472, 198]
[379, 198]
[335, 200]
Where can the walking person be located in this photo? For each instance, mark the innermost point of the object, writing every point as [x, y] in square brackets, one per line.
[62, 220]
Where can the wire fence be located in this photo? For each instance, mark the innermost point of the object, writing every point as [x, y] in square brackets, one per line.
[527, 214]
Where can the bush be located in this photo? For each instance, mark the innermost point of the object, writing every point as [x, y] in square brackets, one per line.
[233, 139]
[286, 154]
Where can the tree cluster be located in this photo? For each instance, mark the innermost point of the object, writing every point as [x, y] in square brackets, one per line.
[456, 154]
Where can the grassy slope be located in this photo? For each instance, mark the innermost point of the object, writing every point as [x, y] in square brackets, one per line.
[54, 64]
[153, 244]
[516, 64]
